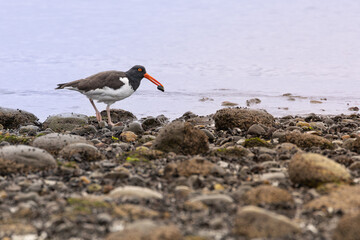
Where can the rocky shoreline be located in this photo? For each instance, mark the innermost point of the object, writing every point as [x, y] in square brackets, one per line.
[236, 174]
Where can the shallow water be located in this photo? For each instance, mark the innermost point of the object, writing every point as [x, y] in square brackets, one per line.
[226, 51]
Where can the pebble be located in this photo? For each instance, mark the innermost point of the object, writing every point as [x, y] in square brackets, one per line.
[135, 192]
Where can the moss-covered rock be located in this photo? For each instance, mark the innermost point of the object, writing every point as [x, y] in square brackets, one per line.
[313, 169]
[256, 142]
[183, 138]
[142, 154]
[304, 140]
[14, 139]
[229, 118]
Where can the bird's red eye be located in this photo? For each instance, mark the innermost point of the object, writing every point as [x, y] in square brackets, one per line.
[139, 69]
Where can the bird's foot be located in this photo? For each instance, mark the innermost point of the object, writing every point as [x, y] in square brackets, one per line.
[119, 124]
[110, 123]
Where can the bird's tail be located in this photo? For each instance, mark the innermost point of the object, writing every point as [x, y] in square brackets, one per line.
[61, 86]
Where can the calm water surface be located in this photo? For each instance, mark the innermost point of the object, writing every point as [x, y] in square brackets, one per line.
[230, 50]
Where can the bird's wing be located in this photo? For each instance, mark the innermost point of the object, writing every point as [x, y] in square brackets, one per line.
[102, 79]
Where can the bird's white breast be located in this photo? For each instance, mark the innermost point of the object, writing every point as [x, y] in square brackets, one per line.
[110, 95]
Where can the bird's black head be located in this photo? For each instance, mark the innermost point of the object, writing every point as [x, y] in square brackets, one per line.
[136, 72]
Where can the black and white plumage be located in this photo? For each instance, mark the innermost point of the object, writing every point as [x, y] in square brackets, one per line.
[110, 86]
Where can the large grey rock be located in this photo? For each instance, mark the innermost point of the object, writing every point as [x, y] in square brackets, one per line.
[13, 118]
[54, 142]
[65, 121]
[24, 158]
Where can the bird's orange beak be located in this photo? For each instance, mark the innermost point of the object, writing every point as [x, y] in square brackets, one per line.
[154, 81]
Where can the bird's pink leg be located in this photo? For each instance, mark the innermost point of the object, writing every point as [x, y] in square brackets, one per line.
[108, 115]
[98, 115]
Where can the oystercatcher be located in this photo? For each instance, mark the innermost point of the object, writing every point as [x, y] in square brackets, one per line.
[110, 86]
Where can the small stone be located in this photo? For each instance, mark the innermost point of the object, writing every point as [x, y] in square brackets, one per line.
[94, 188]
[128, 136]
[256, 130]
[252, 101]
[135, 192]
[85, 180]
[182, 191]
[213, 199]
[313, 169]
[228, 104]
[354, 109]
[134, 127]
[31, 130]
[104, 218]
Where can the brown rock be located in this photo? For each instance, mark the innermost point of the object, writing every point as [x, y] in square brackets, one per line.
[196, 165]
[348, 228]
[271, 198]
[345, 198]
[268, 195]
[128, 136]
[13, 118]
[255, 222]
[119, 115]
[228, 104]
[183, 138]
[147, 230]
[352, 144]
[134, 212]
[83, 150]
[313, 169]
[242, 118]
[304, 140]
